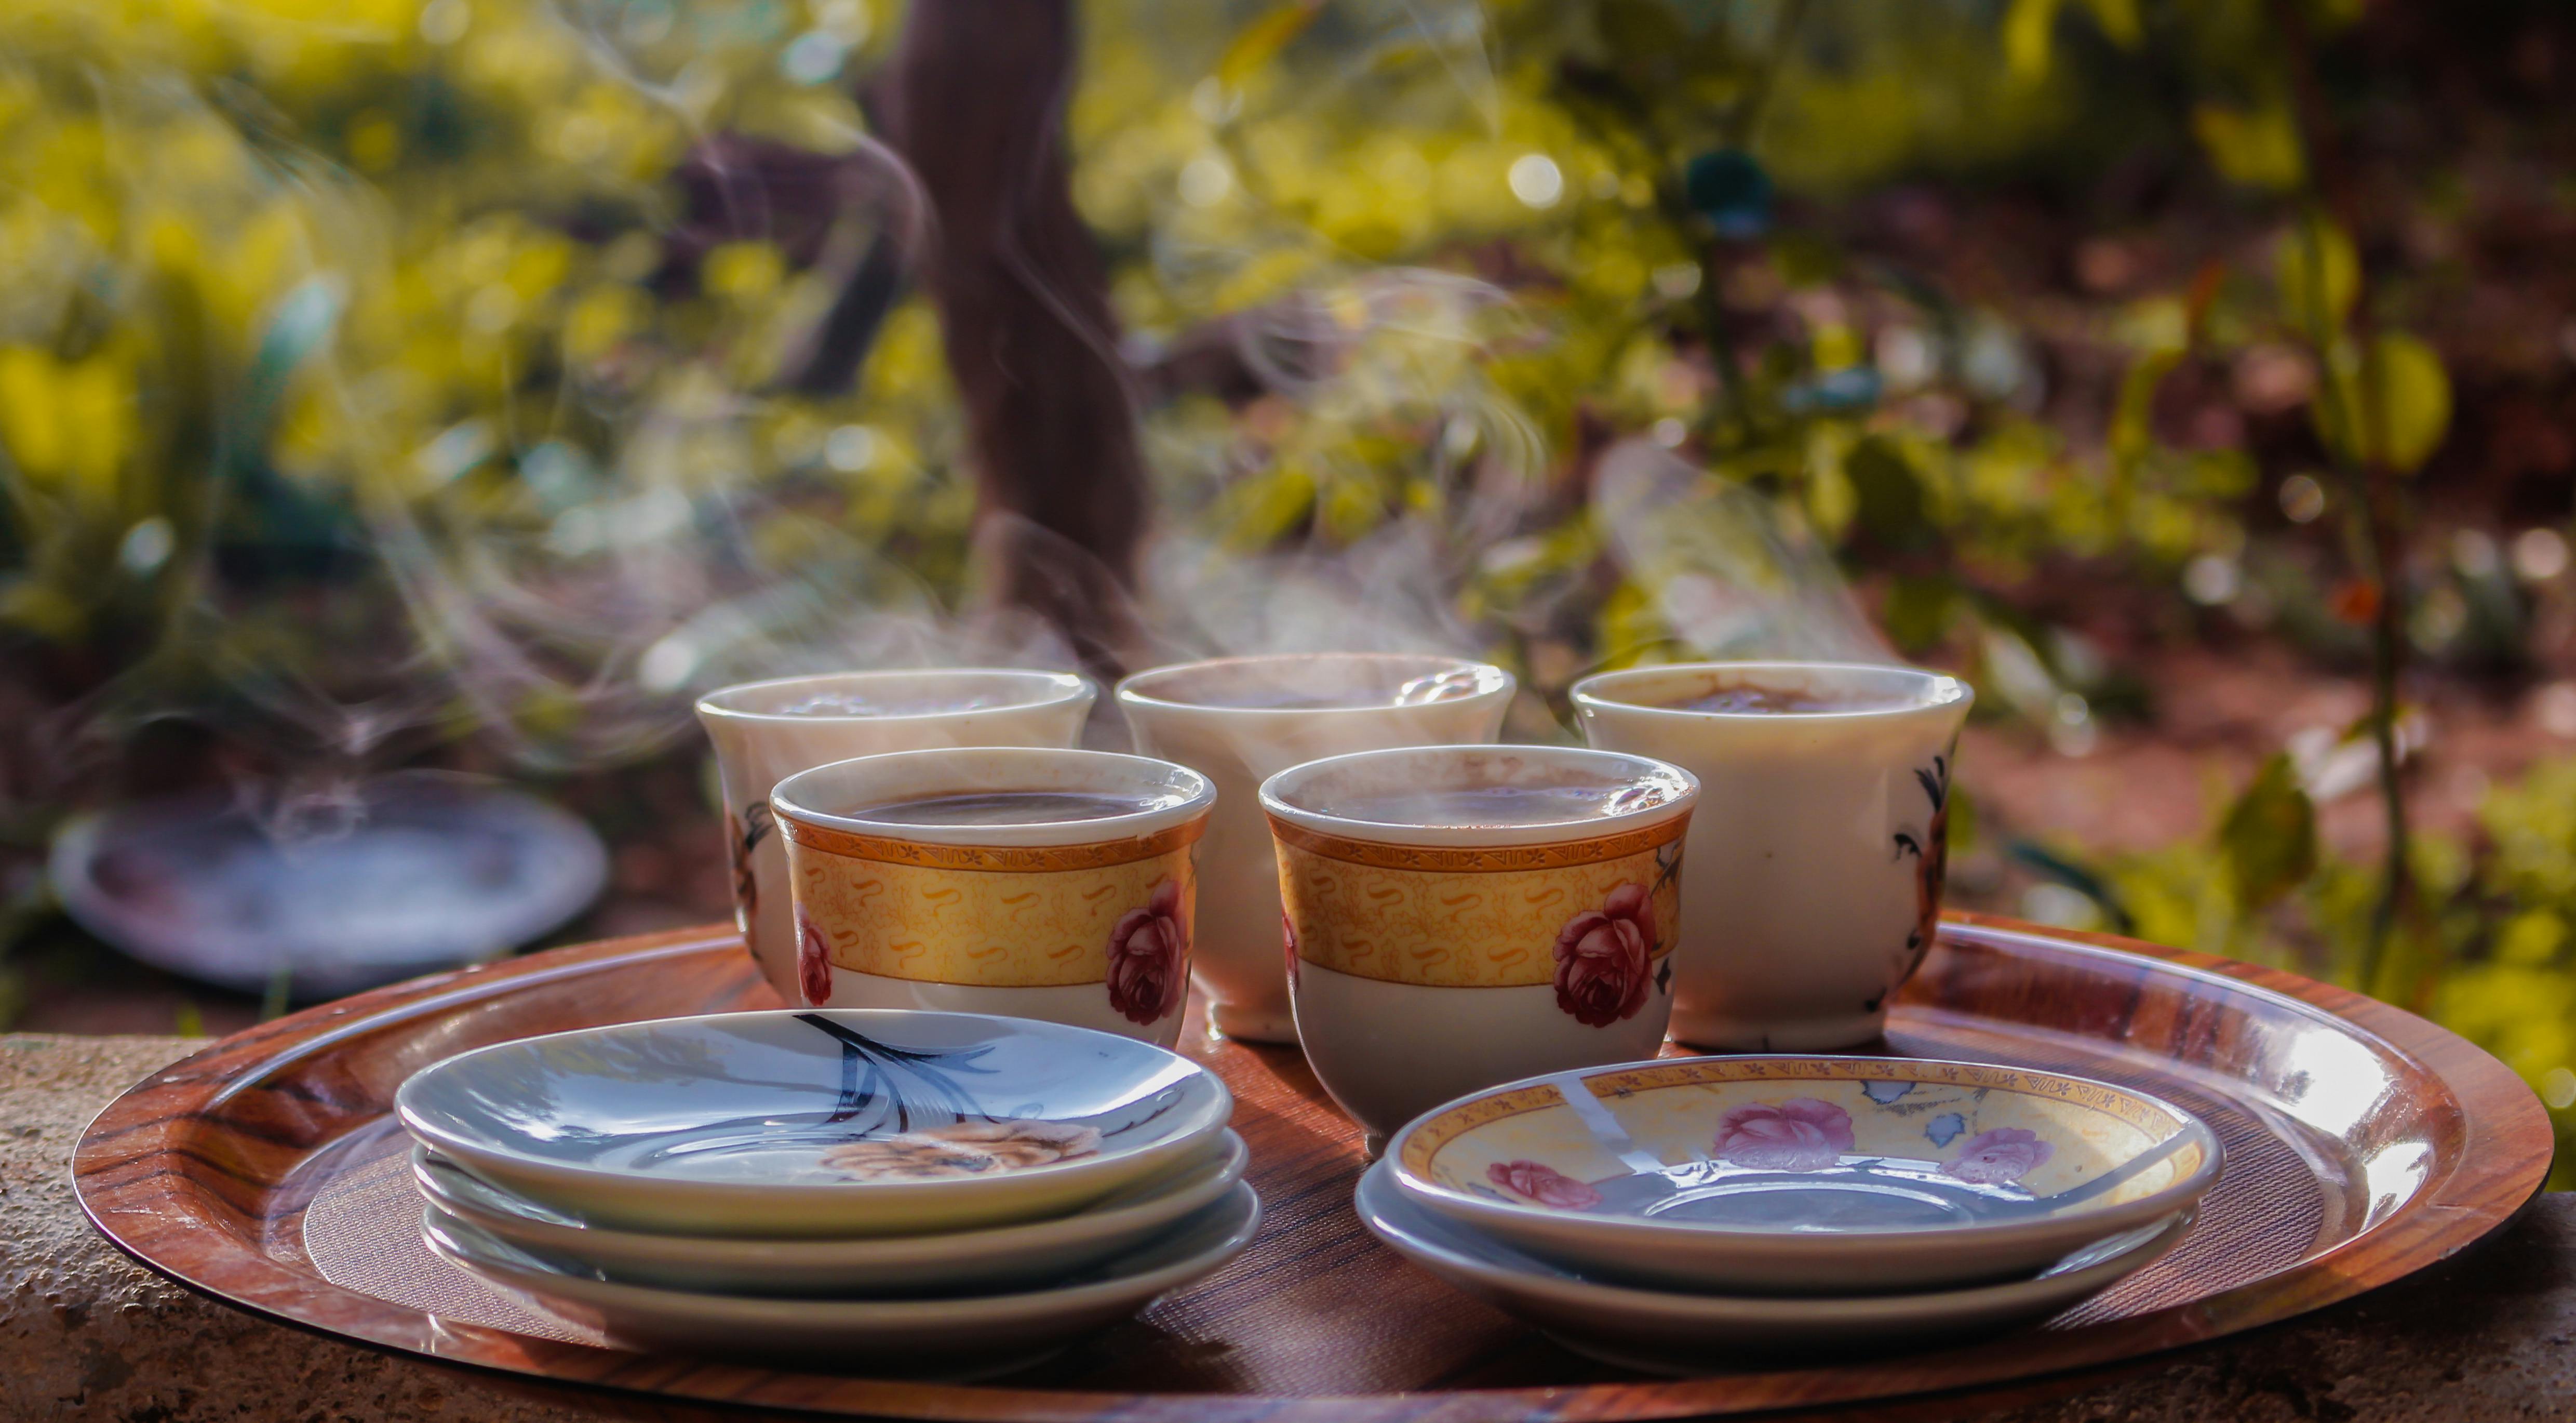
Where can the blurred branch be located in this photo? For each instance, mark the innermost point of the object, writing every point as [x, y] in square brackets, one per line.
[974, 101]
[735, 187]
[2328, 190]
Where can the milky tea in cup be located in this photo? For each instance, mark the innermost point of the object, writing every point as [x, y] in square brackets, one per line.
[765, 732]
[1240, 720]
[1059, 885]
[1462, 916]
[1814, 886]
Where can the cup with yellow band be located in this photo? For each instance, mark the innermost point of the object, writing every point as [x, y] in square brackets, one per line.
[1459, 916]
[1059, 885]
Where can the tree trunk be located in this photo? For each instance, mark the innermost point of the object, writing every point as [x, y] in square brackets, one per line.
[975, 102]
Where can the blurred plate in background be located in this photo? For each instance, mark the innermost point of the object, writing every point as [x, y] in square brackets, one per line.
[396, 876]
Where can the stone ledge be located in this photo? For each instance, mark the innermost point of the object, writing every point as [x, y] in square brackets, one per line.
[86, 1333]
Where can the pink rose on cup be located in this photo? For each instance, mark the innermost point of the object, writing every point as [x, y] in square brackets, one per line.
[2000, 1157]
[1288, 939]
[813, 963]
[1801, 1134]
[1149, 957]
[1543, 1184]
[1603, 966]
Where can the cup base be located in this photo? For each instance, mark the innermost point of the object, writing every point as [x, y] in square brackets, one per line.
[1717, 1032]
[1253, 1025]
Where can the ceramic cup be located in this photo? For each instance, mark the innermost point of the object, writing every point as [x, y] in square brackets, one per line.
[1241, 720]
[1459, 916]
[1815, 887]
[760, 741]
[1084, 921]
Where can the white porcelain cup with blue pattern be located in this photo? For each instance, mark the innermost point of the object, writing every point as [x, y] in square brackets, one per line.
[1813, 888]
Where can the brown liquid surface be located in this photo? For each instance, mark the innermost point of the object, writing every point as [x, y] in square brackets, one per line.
[1782, 701]
[1492, 805]
[1011, 808]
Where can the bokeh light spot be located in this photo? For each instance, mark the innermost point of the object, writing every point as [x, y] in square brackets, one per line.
[1536, 180]
[2302, 499]
[2539, 554]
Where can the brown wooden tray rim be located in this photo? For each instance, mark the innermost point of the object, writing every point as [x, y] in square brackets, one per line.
[202, 1170]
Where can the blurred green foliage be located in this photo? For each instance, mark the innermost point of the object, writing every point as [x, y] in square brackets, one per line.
[2496, 962]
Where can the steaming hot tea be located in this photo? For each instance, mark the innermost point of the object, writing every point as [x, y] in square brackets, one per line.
[892, 704]
[1013, 807]
[1316, 693]
[1481, 806]
[1784, 701]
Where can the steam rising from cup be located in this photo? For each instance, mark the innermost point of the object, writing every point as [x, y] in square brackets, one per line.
[608, 442]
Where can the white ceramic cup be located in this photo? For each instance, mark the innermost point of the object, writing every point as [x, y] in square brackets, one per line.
[1439, 948]
[1240, 721]
[1086, 922]
[1814, 886]
[758, 744]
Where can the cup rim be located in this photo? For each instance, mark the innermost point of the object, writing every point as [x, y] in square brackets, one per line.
[1501, 683]
[1059, 689]
[1552, 832]
[1199, 794]
[1950, 692]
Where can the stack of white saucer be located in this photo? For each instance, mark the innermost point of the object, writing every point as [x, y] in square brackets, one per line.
[1695, 1213]
[936, 1192]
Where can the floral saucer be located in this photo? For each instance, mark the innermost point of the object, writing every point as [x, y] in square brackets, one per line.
[956, 1262]
[1681, 1333]
[1805, 1175]
[819, 1122]
[961, 1337]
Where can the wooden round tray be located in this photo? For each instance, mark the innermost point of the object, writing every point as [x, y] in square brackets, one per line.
[2363, 1143]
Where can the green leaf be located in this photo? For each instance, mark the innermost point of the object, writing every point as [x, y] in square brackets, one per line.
[2320, 275]
[1805, 259]
[2077, 876]
[1350, 506]
[1962, 810]
[2133, 419]
[1260, 510]
[2393, 403]
[1260, 42]
[2029, 28]
[2268, 842]
[2531, 938]
[1887, 496]
[2119, 21]
[1641, 29]
[1918, 612]
[2252, 148]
